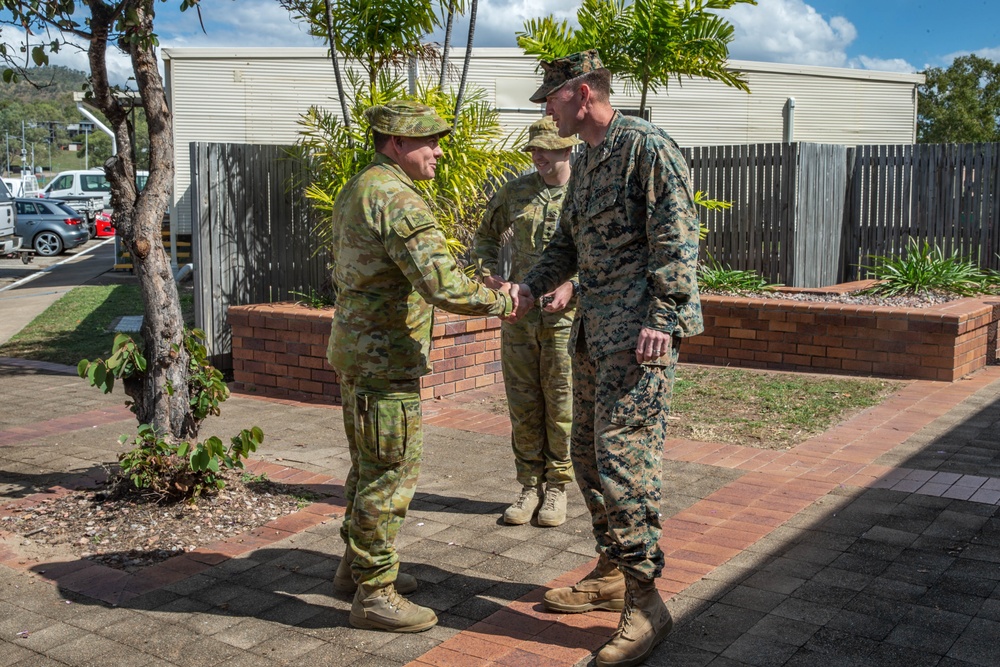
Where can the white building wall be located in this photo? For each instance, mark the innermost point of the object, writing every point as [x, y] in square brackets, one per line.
[256, 95]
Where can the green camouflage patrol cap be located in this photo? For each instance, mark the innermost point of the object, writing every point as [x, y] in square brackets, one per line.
[405, 118]
[544, 134]
[561, 70]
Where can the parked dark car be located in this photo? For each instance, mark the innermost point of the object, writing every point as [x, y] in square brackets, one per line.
[49, 226]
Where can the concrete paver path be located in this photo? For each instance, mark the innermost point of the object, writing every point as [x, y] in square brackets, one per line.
[875, 543]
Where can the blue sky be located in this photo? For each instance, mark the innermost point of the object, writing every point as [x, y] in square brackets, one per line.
[891, 35]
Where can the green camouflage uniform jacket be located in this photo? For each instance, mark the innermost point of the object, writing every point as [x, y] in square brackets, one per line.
[630, 228]
[530, 210]
[390, 266]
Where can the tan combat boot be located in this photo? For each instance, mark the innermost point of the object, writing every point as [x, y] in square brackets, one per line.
[343, 580]
[603, 588]
[644, 623]
[553, 511]
[524, 507]
[385, 609]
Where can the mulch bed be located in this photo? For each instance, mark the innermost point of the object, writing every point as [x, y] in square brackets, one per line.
[134, 531]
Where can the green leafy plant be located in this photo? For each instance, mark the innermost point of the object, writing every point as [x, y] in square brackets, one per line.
[181, 470]
[714, 276]
[314, 299]
[206, 386]
[926, 268]
[206, 383]
[646, 43]
[156, 462]
[476, 154]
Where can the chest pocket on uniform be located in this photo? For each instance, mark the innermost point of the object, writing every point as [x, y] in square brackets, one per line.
[607, 219]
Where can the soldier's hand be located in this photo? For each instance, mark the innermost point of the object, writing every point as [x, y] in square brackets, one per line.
[493, 282]
[652, 345]
[557, 300]
[523, 301]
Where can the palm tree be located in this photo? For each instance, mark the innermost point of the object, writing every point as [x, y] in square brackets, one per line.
[446, 48]
[473, 8]
[646, 42]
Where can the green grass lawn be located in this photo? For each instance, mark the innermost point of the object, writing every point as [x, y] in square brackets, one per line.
[76, 326]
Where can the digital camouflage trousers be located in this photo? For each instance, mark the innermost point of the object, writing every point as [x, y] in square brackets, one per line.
[620, 418]
[382, 419]
[538, 377]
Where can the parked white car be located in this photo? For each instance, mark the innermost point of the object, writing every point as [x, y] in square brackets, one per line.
[80, 185]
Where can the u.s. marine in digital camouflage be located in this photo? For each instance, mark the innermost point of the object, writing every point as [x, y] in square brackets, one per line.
[391, 266]
[535, 357]
[630, 229]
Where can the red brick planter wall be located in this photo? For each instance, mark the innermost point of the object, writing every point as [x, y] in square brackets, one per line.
[943, 342]
[281, 348]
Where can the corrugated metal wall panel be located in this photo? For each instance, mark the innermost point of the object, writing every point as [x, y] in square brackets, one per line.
[257, 96]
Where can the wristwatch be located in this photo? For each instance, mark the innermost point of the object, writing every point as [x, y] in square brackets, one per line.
[576, 286]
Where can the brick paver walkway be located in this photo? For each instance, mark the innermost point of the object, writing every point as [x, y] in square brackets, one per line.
[875, 543]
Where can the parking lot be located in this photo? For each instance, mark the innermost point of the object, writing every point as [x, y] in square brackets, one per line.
[13, 269]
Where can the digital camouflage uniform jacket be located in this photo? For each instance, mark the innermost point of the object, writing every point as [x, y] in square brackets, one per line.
[391, 265]
[630, 228]
[530, 210]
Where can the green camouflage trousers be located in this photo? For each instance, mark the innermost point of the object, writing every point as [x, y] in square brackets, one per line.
[538, 376]
[382, 419]
[620, 416]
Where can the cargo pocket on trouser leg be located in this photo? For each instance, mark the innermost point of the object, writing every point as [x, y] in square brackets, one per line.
[389, 467]
[642, 404]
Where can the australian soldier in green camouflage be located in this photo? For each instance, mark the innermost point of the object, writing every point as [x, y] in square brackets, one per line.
[391, 266]
[629, 227]
[535, 357]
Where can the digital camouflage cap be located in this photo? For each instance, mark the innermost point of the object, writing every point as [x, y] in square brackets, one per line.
[561, 70]
[406, 118]
[544, 134]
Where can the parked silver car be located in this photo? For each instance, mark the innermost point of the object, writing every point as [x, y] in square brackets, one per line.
[49, 226]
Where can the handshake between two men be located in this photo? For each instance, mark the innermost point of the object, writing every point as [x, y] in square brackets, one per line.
[523, 301]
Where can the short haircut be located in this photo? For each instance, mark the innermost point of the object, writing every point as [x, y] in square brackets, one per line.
[599, 81]
[380, 140]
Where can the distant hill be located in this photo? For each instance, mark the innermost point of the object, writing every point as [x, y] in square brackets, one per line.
[55, 84]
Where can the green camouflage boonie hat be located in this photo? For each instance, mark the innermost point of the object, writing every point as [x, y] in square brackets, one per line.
[544, 134]
[561, 70]
[405, 118]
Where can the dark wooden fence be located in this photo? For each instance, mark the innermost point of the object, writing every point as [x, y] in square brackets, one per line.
[942, 193]
[252, 235]
[803, 215]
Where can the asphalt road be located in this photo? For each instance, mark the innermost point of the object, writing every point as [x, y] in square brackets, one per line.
[12, 269]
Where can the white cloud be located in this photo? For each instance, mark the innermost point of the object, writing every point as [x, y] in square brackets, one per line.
[789, 31]
[262, 23]
[498, 20]
[883, 65]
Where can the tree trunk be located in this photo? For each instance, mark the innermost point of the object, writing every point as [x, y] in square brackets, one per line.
[468, 58]
[447, 43]
[642, 100]
[336, 66]
[161, 394]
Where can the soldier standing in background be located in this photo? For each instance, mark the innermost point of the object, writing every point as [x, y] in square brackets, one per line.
[630, 228]
[535, 358]
[391, 265]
